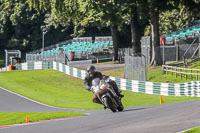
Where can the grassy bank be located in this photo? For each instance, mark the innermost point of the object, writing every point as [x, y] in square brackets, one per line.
[50, 87]
[194, 130]
[8, 118]
[119, 72]
[154, 73]
[58, 89]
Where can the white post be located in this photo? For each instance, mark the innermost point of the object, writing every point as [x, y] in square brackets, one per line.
[19, 53]
[43, 33]
[42, 41]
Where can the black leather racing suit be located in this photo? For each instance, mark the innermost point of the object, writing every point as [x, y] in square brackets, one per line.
[88, 79]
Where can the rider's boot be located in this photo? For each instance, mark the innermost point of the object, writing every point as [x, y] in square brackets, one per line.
[117, 90]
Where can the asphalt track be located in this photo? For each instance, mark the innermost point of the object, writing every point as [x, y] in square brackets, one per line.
[166, 118]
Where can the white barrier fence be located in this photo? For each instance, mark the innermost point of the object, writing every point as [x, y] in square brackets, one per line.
[168, 89]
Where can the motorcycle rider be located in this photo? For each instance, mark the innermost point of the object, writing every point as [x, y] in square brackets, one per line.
[92, 74]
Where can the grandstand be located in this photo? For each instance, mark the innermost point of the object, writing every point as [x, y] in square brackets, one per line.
[76, 49]
[190, 32]
[178, 45]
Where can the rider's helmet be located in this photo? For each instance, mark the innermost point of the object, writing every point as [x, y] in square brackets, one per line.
[91, 69]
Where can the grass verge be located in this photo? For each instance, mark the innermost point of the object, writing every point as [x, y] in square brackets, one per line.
[57, 89]
[119, 72]
[49, 87]
[8, 118]
[194, 130]
[154, 74]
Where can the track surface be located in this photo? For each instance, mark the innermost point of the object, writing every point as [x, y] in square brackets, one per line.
[169, 118]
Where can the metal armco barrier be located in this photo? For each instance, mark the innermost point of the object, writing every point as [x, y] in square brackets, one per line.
[168, 89]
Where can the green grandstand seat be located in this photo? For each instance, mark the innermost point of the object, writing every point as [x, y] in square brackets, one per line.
[111, 43]
[196, 30]
[182, 34]
[175, 34]
[169, 39]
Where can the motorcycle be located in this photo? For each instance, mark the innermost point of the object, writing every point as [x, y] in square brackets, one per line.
[106, 94]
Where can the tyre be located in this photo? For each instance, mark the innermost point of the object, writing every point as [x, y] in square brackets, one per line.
[120, 108]
[109, 104]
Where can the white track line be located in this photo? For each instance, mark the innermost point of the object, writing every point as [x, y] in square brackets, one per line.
[30, 99]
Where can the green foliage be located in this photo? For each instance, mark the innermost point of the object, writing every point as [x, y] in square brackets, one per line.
[19, 25]
[22, 22]
[176, 19]
[8, 118]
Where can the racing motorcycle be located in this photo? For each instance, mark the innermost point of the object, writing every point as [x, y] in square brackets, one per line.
[106, 94]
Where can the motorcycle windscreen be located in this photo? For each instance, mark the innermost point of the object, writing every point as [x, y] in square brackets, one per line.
[96, 82]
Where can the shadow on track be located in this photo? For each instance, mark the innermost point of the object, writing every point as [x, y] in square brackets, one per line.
[133, 109]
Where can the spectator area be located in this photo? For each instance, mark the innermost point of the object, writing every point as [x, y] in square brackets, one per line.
[190, 32]
[78, 46]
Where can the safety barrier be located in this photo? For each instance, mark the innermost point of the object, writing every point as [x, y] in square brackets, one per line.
[35, 65]
[4, 69]
[168, 89]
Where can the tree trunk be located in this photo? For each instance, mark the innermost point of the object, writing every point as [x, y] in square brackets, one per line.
[115, 33]
[135, 32]
[156, 54]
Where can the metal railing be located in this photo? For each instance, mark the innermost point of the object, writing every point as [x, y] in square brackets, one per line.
[178, 71]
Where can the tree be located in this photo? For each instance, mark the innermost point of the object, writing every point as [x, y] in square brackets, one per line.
[154, 14]
[19, 25]
[111, 16]
[136, 18]
[6, 28]
[178, 17]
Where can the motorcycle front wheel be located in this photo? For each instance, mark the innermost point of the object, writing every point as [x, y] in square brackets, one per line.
[120, 108]
[109, 104]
